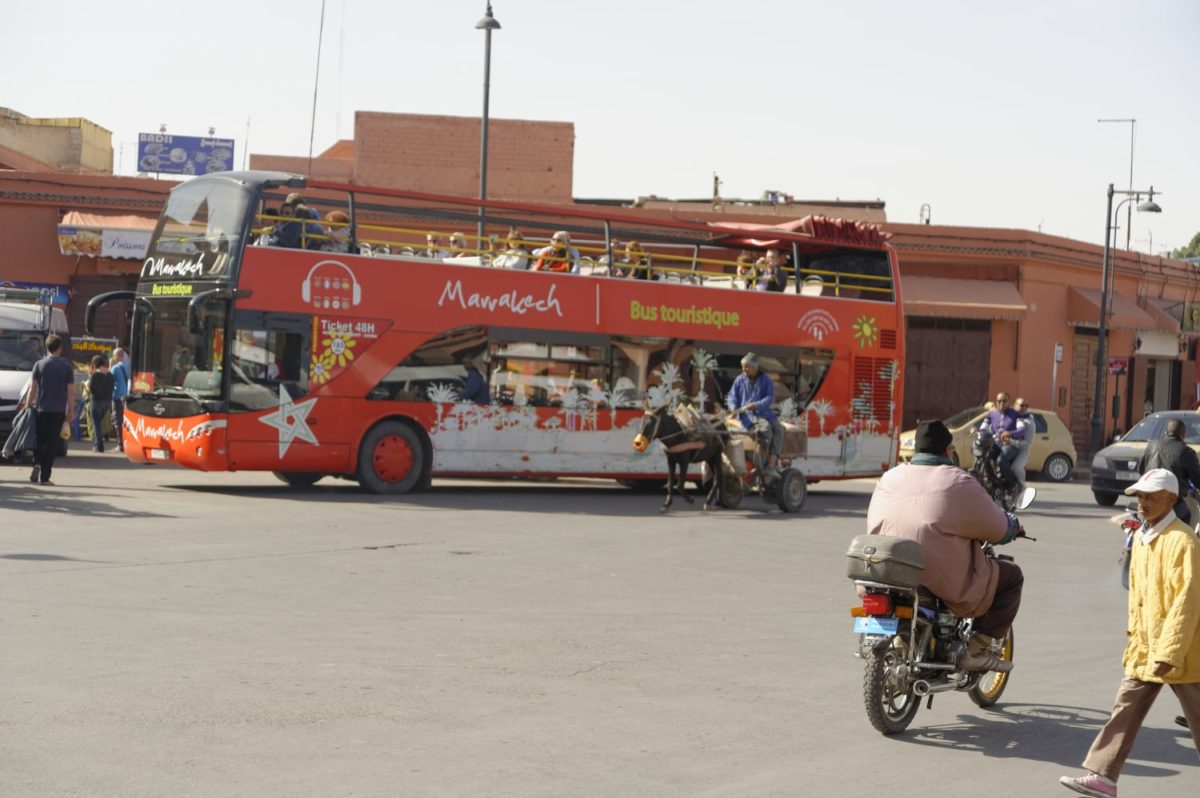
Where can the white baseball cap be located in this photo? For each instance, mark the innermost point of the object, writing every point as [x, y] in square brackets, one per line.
[1154, 480]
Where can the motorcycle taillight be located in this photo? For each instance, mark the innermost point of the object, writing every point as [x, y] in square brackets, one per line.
[877, 604]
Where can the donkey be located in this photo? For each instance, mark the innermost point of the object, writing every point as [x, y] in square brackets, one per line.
[683, 447]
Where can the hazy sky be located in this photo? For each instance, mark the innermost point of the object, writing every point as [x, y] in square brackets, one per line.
[985, 111]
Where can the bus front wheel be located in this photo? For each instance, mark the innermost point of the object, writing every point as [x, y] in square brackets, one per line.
[391, 458]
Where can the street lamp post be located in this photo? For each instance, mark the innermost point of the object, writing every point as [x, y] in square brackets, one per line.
[1147, 206]
[1132, 137]
[487, 24]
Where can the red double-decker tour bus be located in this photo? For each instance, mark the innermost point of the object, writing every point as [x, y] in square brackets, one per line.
[317, 329]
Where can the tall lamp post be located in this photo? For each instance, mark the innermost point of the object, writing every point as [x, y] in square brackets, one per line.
[1144, 206]
[487, 24]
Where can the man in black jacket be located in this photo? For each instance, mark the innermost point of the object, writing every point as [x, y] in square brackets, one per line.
[1177, 457]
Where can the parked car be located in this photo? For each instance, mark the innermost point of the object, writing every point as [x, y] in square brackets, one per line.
[1052, 453]
[1115, 467]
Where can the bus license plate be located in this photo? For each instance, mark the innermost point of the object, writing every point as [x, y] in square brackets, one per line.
[160, 454]
[876, 626]
[1128, 475]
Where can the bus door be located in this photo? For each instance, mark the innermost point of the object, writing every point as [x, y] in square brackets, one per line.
[275, 423]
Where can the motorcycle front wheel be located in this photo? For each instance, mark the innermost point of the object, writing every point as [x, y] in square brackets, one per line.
[991, 685]
[891, 705]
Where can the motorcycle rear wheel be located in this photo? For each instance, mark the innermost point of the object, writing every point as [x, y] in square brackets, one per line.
[990, 687]
[890, 707]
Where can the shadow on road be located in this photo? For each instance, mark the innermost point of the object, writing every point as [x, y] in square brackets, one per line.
[549, 496]
[27, 497]
[1051, 733]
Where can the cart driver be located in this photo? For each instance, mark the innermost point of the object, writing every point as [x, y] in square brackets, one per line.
[751, 398]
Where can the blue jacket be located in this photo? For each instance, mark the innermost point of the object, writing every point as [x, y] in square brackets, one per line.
[120, 374]
[476, 389]
[760, 393]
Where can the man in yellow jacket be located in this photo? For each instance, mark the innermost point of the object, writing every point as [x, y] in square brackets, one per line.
[1164, 632]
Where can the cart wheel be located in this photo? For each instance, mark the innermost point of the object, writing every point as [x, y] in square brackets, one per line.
[732, 491]
[791, 490]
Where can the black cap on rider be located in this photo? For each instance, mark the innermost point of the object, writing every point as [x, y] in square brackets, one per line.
[933, 437]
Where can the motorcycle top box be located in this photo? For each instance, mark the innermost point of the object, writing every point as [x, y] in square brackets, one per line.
[891, 561]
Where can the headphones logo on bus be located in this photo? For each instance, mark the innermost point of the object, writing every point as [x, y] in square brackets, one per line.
[330, 285]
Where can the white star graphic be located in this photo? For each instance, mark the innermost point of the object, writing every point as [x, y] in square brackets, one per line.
[291, 420]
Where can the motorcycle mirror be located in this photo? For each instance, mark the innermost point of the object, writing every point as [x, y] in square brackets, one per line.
[1025, 499]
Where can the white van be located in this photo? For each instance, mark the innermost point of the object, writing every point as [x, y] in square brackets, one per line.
[25, 321]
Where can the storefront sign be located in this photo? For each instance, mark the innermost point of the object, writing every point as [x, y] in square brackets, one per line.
[103, 242]
[84, 348]
[56, 294]
[183, 155]
[1118, 365]
[1153, 343]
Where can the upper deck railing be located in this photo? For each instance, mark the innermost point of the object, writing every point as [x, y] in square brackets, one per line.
[813, 256]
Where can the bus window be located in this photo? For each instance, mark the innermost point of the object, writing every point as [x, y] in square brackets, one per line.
[268, 350]
[633, 361]
[850, 274]
[435, 370]
[542, 373]
[796, 372]
[169, 355]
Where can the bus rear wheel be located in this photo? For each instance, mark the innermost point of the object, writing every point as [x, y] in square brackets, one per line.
[391, 458]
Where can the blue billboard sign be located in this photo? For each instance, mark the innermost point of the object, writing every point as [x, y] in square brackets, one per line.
[169, 154]
[56, 294]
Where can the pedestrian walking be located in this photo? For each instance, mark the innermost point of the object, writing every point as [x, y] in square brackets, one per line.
[1163, 630]
[51, 393]
[120, 374]
[100, 391]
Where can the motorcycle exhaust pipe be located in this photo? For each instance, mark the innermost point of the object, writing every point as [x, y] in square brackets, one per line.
[923, 688]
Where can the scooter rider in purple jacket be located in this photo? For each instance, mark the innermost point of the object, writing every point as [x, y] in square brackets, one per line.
[1003, 423]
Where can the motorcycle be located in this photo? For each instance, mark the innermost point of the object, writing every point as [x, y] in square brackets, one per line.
[986, 470]
[912, 643]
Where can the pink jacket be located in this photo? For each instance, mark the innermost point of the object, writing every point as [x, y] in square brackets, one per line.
[945, 510]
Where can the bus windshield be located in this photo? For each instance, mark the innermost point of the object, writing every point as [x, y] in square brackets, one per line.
[197, 237]
[170, 359]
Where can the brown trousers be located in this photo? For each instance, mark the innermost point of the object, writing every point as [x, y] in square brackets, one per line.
[999, 617]
[1134, 698]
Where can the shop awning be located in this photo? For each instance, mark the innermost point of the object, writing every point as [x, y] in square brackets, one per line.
[1083, 310]
[957, 298]
[101, 235]
[1167, 314]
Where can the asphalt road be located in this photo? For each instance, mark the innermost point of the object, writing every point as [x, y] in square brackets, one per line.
[171, 633]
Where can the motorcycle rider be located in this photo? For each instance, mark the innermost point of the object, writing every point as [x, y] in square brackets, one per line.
[1177, 457]
[1008, 433]
[937, 504]
[751, 398]
[1023, 442]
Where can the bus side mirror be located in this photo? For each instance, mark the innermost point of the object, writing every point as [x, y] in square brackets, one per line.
[94, 304]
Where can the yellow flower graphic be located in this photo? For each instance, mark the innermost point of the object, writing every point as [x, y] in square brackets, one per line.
[339, 348]
[318, 371]
[865, 331]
